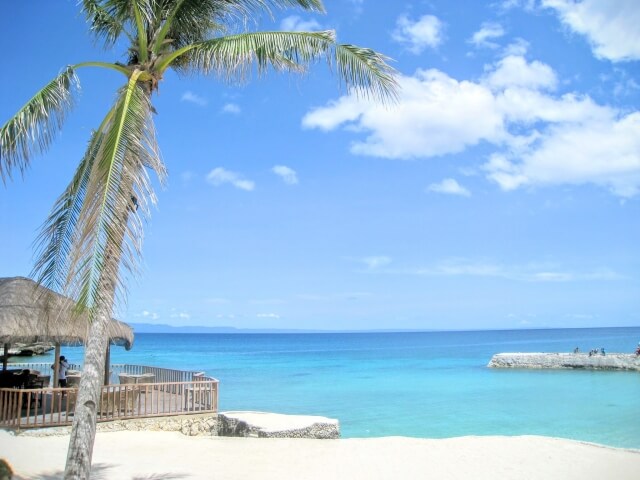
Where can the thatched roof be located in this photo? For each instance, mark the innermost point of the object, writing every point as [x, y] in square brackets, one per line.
[32, 313]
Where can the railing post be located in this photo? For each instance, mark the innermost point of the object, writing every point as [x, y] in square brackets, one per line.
[19, 410]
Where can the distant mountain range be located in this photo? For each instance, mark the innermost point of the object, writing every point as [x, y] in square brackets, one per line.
[160, 328]
[157, 328]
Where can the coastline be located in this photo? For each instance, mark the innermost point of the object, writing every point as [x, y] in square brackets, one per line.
[173, 455]
[306, 374]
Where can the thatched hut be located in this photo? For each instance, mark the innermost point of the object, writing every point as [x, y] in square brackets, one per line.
[31, 313]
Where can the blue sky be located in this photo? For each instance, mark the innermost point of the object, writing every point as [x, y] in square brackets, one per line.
[501, 191]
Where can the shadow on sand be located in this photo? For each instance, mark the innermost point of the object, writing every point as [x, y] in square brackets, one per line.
[100, 471]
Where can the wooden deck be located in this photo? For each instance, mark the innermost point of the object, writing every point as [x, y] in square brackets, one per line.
[45, 407]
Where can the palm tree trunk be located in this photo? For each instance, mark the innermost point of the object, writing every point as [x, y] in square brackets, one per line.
[83, 431]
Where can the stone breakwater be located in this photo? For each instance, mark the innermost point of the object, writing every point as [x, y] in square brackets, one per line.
[610, 361]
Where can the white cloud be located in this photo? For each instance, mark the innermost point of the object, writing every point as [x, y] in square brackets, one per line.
[525, 273]
[529, 106]
[374, 262]
[267, 301]
[219, 176]
[606, 153]
[579, 316]
[268, 315]
[231, 108]
[216, 300]
[488, 32]
[538, 137]
[518, 47]
[191, 97]
[624, 83]
[425, 32]
[334, 297]
[434, 116]
[515, 71]
[288, 175]
[294, 23]
[526, 4]
[611, 26]
[148, 314]
[449, 186]
[186, 176]
[182, 315]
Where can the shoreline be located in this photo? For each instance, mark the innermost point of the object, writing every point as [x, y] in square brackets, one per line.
[127, 454]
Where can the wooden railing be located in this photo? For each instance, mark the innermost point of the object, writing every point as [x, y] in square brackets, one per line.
[43, 368]
[29, 408]
[161, 374]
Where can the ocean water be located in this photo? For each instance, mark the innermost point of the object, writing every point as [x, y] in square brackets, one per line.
[428, 384]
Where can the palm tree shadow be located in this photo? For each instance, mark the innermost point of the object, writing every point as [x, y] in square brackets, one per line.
[100, 471]
[161, 476]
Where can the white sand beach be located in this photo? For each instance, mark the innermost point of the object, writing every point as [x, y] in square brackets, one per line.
[171, 455]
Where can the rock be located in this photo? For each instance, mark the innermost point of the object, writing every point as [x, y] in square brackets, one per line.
[274, 425]
[29, 349]
[226, 424]
[6, 473]
[610, 361]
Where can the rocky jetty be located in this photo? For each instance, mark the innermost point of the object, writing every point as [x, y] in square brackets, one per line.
[610, 361]
[274, 425]
[28, 349]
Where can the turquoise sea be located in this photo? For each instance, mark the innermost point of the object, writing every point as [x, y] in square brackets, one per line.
[427, 384]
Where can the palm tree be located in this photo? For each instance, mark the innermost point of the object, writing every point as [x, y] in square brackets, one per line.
[94, 231]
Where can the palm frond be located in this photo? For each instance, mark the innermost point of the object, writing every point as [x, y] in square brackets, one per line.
[55, 241]
[103, 24]
[107, 231]
[232, 57]
[161, 36]
[30, 131]
[366, 71]
[141, 29]
[192, 21]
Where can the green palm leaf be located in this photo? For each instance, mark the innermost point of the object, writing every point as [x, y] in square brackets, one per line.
[232, 57]
[182, 21]
[55, 243]
[102, 23]
[30, 131]
[366, 71]
[108, 231]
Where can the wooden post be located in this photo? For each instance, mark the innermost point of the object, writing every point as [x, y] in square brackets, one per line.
[107, 364]
[6, 356]
[55, 366]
